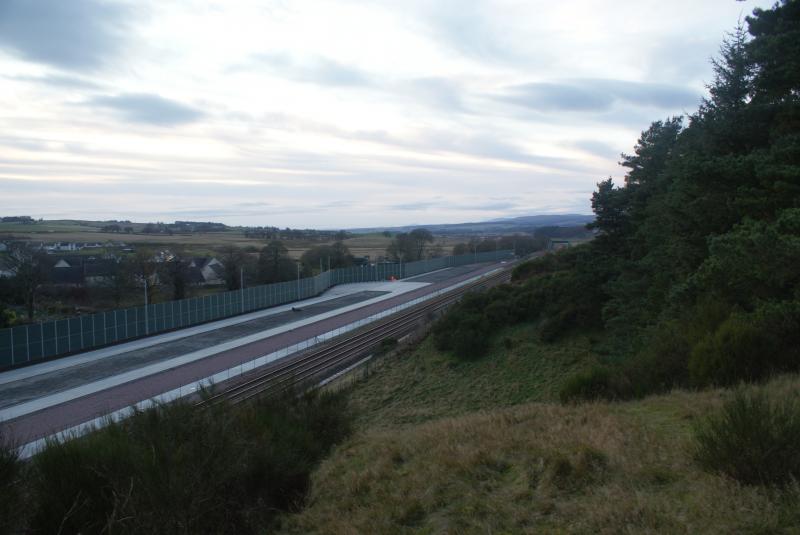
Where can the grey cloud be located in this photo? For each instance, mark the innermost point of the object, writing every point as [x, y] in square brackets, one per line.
[316, 70]
[440, 93]
[596, 148]
[147, 108]
[599, 95]
[413, 206]
[445, 205]
[73, 34]
[57, 80]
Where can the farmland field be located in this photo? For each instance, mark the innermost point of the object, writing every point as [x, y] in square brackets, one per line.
[198, 243]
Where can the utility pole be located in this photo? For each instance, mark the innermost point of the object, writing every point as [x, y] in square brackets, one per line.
[241, 287]
[146, 322]
[298, 280]
[401, 264]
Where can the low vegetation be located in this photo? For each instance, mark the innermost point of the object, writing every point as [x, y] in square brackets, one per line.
[423, 384]
[601, 467]
[177, 469]
[753, 439]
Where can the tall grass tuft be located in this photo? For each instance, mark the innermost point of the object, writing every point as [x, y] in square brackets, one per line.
[752, 439]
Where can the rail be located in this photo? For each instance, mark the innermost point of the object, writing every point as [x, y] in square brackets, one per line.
[300, 369]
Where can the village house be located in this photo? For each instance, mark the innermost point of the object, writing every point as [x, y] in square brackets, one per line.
[206, 270]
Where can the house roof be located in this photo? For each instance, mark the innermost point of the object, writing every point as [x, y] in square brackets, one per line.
[70, 275]
[99, 268]
[218, 269]
[195, 276]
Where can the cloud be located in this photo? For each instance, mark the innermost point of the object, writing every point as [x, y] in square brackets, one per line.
[598, 95]
[78, 35]
[440, 93]
[57, 80]
[147, 108]
[470, 29]
[313, 69]
[597, 148]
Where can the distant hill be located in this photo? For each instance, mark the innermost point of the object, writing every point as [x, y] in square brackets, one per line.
[498, 226]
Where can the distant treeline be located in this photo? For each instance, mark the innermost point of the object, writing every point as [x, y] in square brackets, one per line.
[288, 234]
[24, 219]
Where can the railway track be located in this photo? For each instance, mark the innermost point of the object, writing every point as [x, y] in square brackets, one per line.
[332, 356]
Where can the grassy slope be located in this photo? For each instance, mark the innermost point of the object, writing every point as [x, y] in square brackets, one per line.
[423, 383]
[457, 448]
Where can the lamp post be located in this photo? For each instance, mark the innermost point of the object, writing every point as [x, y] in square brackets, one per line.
[146, 322]
[241, 287]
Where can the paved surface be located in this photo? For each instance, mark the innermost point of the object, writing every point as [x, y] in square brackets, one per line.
[442, 274]
[72, 412]
[33, 387]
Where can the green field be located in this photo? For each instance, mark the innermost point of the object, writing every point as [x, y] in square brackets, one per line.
[199, 244]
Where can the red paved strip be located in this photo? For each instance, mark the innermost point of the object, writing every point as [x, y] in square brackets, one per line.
[53, 419]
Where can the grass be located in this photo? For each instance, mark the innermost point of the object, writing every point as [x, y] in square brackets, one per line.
[543, 468]
[423, 383]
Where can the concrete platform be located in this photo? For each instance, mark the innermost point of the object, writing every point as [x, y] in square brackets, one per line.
[75, 409]
[33, 388]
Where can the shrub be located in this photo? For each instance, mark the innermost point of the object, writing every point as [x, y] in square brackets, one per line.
[10, 487]
[594, 383]
[176, 469]
[662, 364]
[731, 353]
[752, 440]
[387, 344]
[471, 338]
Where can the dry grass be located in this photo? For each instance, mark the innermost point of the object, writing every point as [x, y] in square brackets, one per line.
[542, 468]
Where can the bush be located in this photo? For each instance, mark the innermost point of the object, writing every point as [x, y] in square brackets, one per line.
[387, 344]
[662, 364]
[731, 353]
[752, 440]
[748, 347]
[10, 487]
[594, 383]
[176, 469]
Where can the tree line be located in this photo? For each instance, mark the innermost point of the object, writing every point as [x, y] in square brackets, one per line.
[693, 276]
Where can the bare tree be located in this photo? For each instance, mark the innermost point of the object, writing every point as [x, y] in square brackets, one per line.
[30, 268]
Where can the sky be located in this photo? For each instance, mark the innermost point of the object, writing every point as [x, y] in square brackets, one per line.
[337, 113]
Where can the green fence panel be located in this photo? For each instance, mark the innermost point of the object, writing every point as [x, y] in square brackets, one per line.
[22, 344]
[5, 348]
[19, 345]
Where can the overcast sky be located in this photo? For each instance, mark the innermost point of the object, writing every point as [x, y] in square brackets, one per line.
[337, 113]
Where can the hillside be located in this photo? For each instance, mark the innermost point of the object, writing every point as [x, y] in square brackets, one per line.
[532, 467]
[496, 226]
[644, 382]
